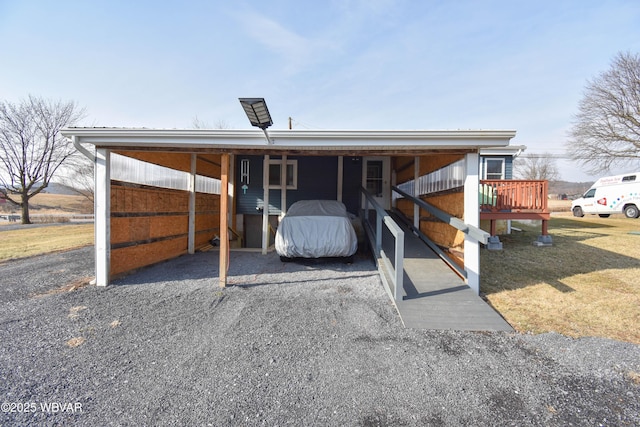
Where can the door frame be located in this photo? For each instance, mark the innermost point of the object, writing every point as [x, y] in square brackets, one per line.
[385, 200]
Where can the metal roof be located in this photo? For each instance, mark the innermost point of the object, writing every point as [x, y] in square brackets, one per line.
[298, 140]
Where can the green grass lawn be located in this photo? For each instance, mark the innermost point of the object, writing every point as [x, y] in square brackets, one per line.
[35, 241]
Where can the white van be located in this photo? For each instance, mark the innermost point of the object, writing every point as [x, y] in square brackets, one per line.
[611, 194]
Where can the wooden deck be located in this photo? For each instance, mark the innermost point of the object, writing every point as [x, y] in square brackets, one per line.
[437, 298]
[514, 199]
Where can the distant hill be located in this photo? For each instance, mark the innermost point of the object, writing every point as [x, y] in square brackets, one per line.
[57, 188]
[557, 188]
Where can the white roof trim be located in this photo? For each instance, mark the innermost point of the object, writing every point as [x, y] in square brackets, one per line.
[298, 139]
[511, 150]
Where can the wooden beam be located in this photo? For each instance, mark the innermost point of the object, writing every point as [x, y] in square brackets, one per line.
[224, 223]
[545, 216]
[328, 151]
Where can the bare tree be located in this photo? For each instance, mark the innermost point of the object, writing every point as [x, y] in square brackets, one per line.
[536, 166]
[79, 178]
[606, 130]
[198, 123]
[31, 147]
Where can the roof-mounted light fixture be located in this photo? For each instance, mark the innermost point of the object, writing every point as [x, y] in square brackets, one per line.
[258, 114]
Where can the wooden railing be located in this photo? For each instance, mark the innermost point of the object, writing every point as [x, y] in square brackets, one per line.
[515, 196]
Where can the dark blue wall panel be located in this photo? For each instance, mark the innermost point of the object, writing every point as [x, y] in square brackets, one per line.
[317, 179]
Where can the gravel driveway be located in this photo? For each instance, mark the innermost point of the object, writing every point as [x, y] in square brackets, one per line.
[289, 344]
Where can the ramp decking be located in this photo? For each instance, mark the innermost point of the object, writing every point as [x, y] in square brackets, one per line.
[437, 298]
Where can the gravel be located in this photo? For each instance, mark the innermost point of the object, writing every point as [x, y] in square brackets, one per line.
[287, 344]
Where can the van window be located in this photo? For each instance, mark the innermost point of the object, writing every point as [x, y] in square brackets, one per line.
[590, 193]
[628, 178]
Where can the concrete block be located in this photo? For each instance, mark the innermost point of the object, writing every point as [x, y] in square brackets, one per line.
[543, 240]
[494, 244]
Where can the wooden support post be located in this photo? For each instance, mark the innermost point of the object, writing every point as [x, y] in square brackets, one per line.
[224, 221]
[545, 227]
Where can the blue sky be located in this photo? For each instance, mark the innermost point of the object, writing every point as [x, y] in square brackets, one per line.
[351, 64]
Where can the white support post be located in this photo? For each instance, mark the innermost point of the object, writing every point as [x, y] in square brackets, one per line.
[265, 210]
[102, 212]
[472, 217]
[283, 185]
[416, 192]
[340, 177]
[192, 206]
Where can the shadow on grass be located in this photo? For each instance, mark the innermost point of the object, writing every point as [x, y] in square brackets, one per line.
[520, 264]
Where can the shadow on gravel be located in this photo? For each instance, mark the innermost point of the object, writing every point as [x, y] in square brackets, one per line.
[246, 269]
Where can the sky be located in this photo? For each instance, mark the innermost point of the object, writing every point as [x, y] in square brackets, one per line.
[334, 64]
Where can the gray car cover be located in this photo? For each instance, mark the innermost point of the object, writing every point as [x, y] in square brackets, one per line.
[316, 229]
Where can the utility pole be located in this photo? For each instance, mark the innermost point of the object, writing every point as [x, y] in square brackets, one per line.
[290, 123]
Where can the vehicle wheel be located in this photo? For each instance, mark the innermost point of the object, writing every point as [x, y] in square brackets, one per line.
[577, 211]
[631, 211]
[604, 215]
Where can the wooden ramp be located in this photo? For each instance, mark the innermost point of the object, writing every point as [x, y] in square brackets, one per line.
[437, 298]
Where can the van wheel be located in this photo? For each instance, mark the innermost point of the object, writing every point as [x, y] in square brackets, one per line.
[577, 211]
[604, 215]
[631, 211]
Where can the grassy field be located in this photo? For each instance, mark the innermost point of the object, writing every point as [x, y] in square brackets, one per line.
[34, 241]
[45, 203]
[586, 284]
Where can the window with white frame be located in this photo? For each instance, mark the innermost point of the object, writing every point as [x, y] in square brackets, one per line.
[275, 174]
[494, 168]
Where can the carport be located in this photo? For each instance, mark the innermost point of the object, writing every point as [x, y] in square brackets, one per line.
[141, 224]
